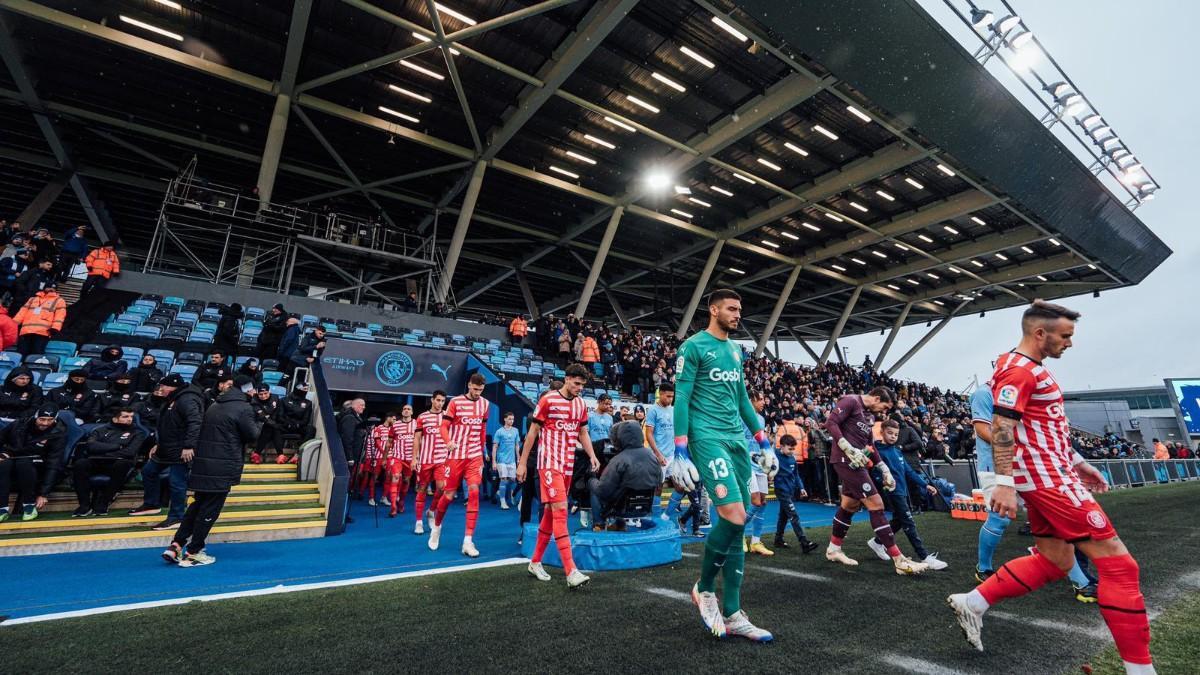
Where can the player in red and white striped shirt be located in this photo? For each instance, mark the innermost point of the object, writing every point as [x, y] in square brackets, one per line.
[560, 422]
[464, 428]
[430, 453]
[400, 459]
[374, 457]
[1033, 455]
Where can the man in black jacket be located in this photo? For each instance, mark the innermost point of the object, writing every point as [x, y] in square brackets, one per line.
[296, 412]
[19, 396]
[229, 333]
[108, 450]
[31, 455]
[207, 374]
[310, 349]
[266, 416]
[228, 426]
[353, 430]
[274, 324]
[634, 469]
[75, 395]
[176, 436]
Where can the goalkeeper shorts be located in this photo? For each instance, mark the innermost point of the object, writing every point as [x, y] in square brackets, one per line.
[724, 467]
[856, 483]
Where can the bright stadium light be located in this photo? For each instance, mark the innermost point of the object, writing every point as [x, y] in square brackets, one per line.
[858, 261]
[925, 238]
[423, 70]
[796, 149]
[153, 29]
[881, 254]
[458, 15]
[583, 158]
[720, 190]
[599, 141]
[885, 195]
[697, 57]
[858, 113]
[791, 236]
[699, 202]
[838, 267]
[894, 287]
[946, 170]
[834, 217]
[812, 227]
[170, 3]
[769, 164]
[742, 178]
[949, 229]
[736, 270]
[1006, 24]
[618, 123]
[668, 81]
[639, 102]
[768, 242]
[397, 113]
[860, 207]
[682, 214]
[737, 34]
[657, 180]
[825, 132]
[410, 93]
[560, 170]
[426, 38]
[683, 190]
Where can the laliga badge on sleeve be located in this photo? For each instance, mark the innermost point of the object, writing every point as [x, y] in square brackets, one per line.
[1007, 396]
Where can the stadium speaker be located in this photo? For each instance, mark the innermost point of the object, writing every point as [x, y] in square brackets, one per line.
[1095, 294]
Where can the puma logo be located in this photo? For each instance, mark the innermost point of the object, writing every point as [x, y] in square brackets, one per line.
[444, 371]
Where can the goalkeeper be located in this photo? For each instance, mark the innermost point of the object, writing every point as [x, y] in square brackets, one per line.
[711, 405]
[853, 454]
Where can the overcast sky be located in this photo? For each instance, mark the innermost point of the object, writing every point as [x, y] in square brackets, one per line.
[1136, 62]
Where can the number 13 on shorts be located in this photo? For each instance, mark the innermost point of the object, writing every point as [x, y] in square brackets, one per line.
[719, 468]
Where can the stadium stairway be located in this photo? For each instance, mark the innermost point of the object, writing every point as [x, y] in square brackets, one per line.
[270, 504]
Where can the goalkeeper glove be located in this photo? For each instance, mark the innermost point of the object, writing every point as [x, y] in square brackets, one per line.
[765, 457]
[684, 475]
[889, 483]
[858, 459]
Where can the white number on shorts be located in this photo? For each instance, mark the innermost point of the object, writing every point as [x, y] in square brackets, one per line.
[1076, 493]
[549, 478]
[719, 468]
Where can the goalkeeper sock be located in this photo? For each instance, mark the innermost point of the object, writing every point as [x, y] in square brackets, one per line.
[883, 532]
[720, 540]
[755, 519]
[733, 574]
[989, 538]
[841, 525]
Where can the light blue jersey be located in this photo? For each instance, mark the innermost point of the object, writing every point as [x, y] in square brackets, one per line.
[506, 445]
[751, 444]
[599, 424]
[663, 421]
[981, 411]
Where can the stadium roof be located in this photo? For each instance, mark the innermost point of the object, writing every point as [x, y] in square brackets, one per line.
[836, 154]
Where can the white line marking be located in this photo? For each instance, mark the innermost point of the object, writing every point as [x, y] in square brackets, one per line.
[908, 663]
[1191, 579]
[670, 593]
[274, 590]
[1094, 632]
[690, 555]
[791, 573]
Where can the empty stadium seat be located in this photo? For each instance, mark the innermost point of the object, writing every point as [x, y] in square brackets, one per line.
[152, 332]
[60, 348]
[184, 370]
[117, 329]
[52, 380]
[272, 377]
[68, 363]
[91, 349]
[189, 358]
[255, 313]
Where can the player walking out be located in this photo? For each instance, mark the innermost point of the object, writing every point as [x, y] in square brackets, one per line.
[464, 425]
[711, 404]
[853, 453]
[504, 460]
[758, 480]
[1032, 453]
[560, 421]
[375, 456]
[430, 454]
[400, 459]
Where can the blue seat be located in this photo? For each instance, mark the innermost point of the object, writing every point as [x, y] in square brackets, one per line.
[272, 377]
[91, 349]
[310, 318]
[152, 332]
[140, 310]
[48, 360]
[174, 300]
[206, 327]
[189, 358]
[52, 380]
[278, 390]
[145, 302]
[363, 332]
[375, 327]
[203, 337]
[68, 363]
[12, 359]
[252, 325]
[417, 331]
[188, 316]
[255, 313]
[184, 370]
[60, 348]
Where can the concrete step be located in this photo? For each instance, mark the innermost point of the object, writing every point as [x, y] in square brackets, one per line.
[254, 492]
[225, 531]
[61, 522]
[290, 470]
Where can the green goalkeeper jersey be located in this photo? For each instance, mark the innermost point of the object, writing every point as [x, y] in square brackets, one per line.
[711, 401]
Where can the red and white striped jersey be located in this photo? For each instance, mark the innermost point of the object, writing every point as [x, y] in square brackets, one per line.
[433, 450]
[560, 418]
[468, 425]
[378, 442]
[402, 439]
[1024, 390]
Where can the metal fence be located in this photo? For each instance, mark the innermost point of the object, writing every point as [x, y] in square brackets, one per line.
[1119, 472]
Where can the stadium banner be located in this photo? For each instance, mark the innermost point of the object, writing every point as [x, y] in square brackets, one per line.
[385, 368]
[1185, 395]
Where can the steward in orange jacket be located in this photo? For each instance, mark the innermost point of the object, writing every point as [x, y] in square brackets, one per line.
[591, 350]
[40, 318]
[518, 328]
[102, 265]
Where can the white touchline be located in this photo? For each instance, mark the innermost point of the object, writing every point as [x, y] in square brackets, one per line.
[690, 555]
[922, 666]
[789, 573]
[670, 593]
[1094, 632]
[274, 590]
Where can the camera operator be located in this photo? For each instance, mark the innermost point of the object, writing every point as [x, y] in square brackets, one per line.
[634, 469]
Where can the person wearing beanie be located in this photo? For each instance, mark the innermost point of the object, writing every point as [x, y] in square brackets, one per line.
[229, 333]
[19, 395]
[275, 323]
[108, 450]
[217, 466]
[31, 458]
[76, 396]
[176, 436]
[119, 393]
[266, 416]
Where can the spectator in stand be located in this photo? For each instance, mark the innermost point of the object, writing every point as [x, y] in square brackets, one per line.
[295, 416]
[518, 328]
[176, 436]
[578, 347]
[109, 364]
[11, 269]
[590, 355]
[275, 323]
[19, 396]
[108, 450]
[289, 343]
[634, 469]
[31, 456]
[209, 373]
[217, 466]
[102, 264]
[12, 244]
[1160, 450]
[76, 396]
[564, 341]
[147, 374]
[266, 417]
[45, 249]
[119, 394]
[410, 303]
[251, 370]
[229, 332]
[33, 280]
[74, 249]
[40, 319]
[8, 331]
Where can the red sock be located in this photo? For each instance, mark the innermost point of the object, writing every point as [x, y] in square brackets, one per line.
[1123, 608]
[562, 539]
[1018, 577]
[403, 487]
[371, 480]
[393, 488]
[543, 539]
[472, 509]
[439, 511]
[419, 506]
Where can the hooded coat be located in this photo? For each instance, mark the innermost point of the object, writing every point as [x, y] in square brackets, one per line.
[108, 365]
[228, 426]
[77, 397]
[634, 469]
[18, 401]
[145, 378]
[23, 441]
[229, 331]
[179, 424]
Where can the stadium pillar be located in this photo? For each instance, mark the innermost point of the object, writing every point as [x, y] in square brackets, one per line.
[530, 303]
[598, 262]
[841, 325]
[701, 283]
[44, 199]
[776, 312]
[460, 230]
[917, 347]
[887, 344]
[283, 102]
[804, 345]
[622, 318]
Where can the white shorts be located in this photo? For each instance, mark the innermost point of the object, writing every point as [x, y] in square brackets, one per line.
[987, 483]
[506, 470]
[758, 483]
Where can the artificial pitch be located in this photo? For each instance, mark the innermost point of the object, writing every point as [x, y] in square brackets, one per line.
[826, 618]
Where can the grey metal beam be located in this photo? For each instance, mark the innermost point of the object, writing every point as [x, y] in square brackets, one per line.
[753, 337]
[337, 158]
[804, 345]
[841, 325]
[527, 293]
[455, 80]
[610, 231]
[698, 292]
[599, 21]
[769, 329]
[618, 310]
[354, 281]
[460, 230]
[277, 128]
[48, 162]
[137, 150]
[433, 171]
[923, 341]
[887, 344]
[44, 199]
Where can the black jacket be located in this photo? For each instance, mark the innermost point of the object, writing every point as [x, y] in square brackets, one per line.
[265, 412]
[113, 441]
[22, 441]
[308, 347]
[228, 427]
[146, 378]
[634, 468]
[80, 400]
[106, 366]
[117, 396]
[910, 440]
[295, 412]
[229, 333]
[353, 430]
[207, 374]
[148, 411]
[272, 331]
[179, 424]
[18, 401]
